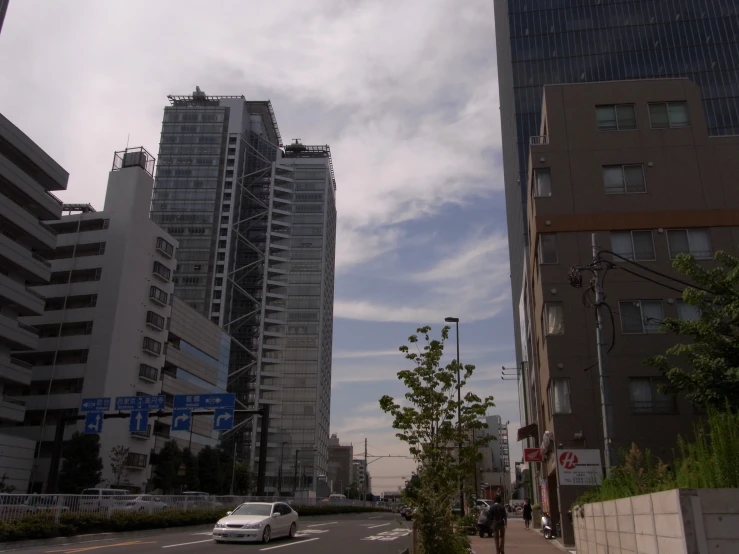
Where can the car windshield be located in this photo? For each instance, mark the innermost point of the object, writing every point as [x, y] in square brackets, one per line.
[253, 510]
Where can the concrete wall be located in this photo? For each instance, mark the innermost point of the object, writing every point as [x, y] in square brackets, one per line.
[16, 459]
[680, 521]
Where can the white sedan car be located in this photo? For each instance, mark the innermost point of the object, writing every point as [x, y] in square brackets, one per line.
[257, 521]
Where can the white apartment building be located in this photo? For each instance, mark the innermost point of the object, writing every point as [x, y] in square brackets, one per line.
[27, 175]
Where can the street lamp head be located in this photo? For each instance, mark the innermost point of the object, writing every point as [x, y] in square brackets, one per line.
[451, 319]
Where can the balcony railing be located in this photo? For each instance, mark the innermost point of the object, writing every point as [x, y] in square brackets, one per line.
[41, 259]
[28, 328]
[142, 434]
[537, 140]
[654, 407]
[56, 198]
[34, 293]
[21, 363]
[14, 401]
[148, 373]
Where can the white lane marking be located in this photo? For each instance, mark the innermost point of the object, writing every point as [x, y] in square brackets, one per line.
[63, 544]
[209, 533]
[305, 532]
[381, 525]
[319, 524]
[289, 544]
[186, 543]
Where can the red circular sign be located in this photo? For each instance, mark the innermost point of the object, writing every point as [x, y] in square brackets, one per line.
[568, 460]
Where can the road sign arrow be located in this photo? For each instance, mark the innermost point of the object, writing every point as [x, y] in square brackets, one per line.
[139, 417]
[181, 418]
[96, 425]
[221, 417]
[89, 404]
[215, 400]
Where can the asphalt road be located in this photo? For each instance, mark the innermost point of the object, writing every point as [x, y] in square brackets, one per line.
[371, 533]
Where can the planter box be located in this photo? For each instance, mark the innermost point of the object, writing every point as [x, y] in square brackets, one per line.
[680, 521]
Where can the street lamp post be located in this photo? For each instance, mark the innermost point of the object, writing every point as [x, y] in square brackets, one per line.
[295, 477]
[455, 320]
[279, 474]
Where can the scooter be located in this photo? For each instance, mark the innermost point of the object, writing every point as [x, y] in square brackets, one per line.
[546, 526]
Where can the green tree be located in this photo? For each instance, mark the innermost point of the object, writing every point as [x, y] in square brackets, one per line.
[427, 422]
[82, 466]
[191, 480]
[118, 458]
[353, 491]
[412, 487]
[705, 365]
[3, 487]
[210, 470]
[167, 463]
[243, 479]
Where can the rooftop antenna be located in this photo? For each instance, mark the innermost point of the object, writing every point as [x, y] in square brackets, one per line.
[128, 139]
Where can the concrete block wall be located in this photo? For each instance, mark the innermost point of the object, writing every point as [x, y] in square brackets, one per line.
[679, 521]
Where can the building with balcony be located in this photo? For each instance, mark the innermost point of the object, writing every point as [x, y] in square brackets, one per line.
[493, 467]
[27, 177]
[633, 162]
[256, 225]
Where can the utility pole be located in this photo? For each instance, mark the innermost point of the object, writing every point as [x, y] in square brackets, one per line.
[605, 397]
[365, 470]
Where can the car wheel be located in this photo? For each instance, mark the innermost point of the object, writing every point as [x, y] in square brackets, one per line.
[142, 509]
[293, 530]
[266, 534]
[218, 542]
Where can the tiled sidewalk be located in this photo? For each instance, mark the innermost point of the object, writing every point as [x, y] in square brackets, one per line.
[518, 540]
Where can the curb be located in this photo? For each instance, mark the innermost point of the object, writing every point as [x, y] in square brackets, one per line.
[77, 539]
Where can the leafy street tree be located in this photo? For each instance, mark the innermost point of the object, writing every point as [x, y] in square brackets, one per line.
[191, 480]
[412, 487]
[168, 461]
[210, 470]
[82, 467]
[118, 458]
[352, 492]
[427, 420]
[3, 487]
[243, 479]
[706, 364]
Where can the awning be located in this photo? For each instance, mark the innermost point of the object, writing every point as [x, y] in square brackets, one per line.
[528, 431]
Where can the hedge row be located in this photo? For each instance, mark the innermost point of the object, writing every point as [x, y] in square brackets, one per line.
[78, 523]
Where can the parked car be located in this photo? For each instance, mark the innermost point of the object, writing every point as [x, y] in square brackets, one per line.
[48, 503]
[144, 503]
[14, 506]
[102, 499]
[257, 521]
[194, 499]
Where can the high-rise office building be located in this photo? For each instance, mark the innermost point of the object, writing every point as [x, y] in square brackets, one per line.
[570, 41]
[256, 225]
[111, 327]
[27, 177]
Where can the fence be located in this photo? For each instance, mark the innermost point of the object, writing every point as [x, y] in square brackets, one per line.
[18, 506]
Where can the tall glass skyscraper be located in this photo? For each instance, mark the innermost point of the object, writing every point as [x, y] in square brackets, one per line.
[256, 224]
[571, 41]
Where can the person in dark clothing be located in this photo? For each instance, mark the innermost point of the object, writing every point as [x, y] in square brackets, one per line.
[498, 520]
[527, 513]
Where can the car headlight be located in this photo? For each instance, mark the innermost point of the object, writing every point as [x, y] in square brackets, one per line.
[252, 526]
[219, 524]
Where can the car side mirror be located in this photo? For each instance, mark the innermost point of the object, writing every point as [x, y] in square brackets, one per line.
[228, 513]
[275, 515]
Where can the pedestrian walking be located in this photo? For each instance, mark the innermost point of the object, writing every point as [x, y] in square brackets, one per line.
[527, 513]
[498, 519]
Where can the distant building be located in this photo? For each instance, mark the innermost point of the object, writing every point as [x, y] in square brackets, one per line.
[340, 460]
[111, 327]
[493, 469]
[361, 476]
[27, 177]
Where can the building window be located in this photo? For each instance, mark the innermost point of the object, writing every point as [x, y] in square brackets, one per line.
[216, 309]
[559, 396]
[633, 245]
[641, 316]
[219, 269]
[224, 232]
[154, 320]
[224, 220]
[216, 295]
[665, 115]
[554, 322]
[136, 460]
[221, 256]
[152, 346]
[148, 373]
[158, 295]
[106, 223]
[162, 271]
[696, 242]
[221, 244]
[624, 179]
[647, 399]
[687, 312]
[164, 247]
[219, 281]
[542, 182]
[619, 117]
[548, 248]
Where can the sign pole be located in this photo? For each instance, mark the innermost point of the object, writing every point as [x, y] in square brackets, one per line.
[262, 467]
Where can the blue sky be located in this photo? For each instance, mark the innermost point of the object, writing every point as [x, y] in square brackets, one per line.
[404, 91]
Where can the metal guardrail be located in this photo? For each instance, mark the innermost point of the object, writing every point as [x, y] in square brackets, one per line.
[18, 506]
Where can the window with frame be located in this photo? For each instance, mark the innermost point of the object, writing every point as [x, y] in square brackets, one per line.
[616, 117]
[666, 115]
[687, 312]
[559, 396]
[548, 248]
[646, 398]
[542, 182]
[153, 346]
[554, 323]
[136, 460]
[641, 316]
[155, 320]
[696, 242]
[633, 245]
[624, 179]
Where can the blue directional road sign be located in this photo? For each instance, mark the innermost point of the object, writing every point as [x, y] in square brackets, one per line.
[95, 404]
[223, 419]
[223, 400]
[139, 421]
[93, 423]
[181, 420]
[125, 403]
